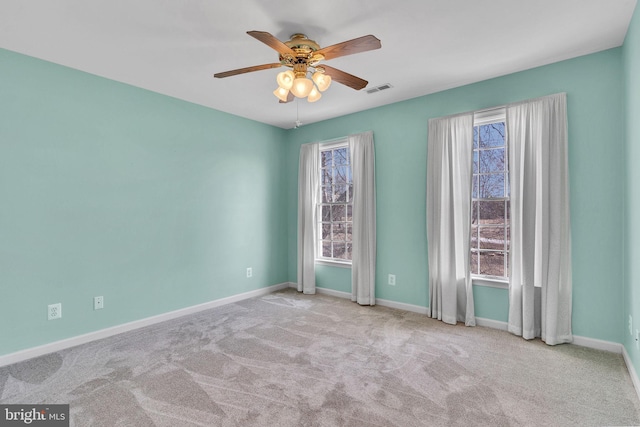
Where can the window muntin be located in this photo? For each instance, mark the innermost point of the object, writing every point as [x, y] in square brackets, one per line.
[335, 208]
[490, 231]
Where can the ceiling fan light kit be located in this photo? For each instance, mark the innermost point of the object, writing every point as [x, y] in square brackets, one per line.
[302, 56]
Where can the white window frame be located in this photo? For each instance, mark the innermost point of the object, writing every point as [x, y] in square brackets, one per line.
[481, 118]
[336, 262]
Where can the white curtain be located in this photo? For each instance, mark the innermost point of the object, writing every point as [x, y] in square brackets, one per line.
[449, 178]
[307, 198]
[363, 263]
[540, 272]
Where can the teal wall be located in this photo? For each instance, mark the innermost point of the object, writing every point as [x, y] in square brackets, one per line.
[159, 204]
[107, 189]
[631, 57]
[594, 90]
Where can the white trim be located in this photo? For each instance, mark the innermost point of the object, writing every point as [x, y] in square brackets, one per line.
[30, 353]
[332, 144]
[333, 263]
[381, 302]
[597, 344]
[333, 293]
[632, 371]
[492, 115]
[403, 306]
[489, 282]
[493, 324]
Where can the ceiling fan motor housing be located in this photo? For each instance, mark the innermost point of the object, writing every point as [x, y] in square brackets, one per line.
[305, 56]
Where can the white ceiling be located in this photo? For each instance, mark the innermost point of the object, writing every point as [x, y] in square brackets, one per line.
[174, 47]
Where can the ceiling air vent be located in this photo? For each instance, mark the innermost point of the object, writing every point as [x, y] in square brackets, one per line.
[379, 88]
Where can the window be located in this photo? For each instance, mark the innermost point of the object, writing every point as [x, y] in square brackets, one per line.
[490, 198]
[334, 209]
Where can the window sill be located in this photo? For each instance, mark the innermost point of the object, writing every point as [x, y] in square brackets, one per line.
[490, 282]
[332, 263]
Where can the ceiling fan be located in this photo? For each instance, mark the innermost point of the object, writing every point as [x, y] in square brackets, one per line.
[303, 55]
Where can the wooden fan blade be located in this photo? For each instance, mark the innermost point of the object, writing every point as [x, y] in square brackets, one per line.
[361, 44]
[247, 70]
[290, 98]
[272, 42]
[345, 78]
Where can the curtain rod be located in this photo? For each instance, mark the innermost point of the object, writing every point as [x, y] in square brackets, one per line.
[336, 139]
[498, 107]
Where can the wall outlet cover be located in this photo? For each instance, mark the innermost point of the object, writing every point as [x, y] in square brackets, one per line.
[54, 311]
[392, 279]
[98, 303]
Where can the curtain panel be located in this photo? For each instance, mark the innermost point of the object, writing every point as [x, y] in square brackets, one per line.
[308, 190]
[363, 262]
[449, 179]
[540, 279]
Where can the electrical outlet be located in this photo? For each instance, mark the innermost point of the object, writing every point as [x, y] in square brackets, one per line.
[630, 325]
[249, 272]
[98, 303]
[54, 311]
[638, 339]
[392, 279]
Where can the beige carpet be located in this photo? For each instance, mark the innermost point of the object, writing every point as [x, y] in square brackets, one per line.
[288, 359]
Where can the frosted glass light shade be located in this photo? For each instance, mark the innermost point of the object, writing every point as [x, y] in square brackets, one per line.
[314, 95]
[301, 87]
[281, 93]
[322, 81]
[285, 79]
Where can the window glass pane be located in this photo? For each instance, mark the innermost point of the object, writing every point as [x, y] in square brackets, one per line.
[341, 156]
[476, 157]
[349, 251]
[326, 249]
[506, 258]
[491, 212]
[491, 186]
[325, 158]
[474, 263]
[474, 191]
[338, 213]
[492, 238]
[350, 193]
[349, 232]
[339, 250]
[474, 237]
[491, 160]
[325, 177]
[340, 194]
[491, 135]
[340, 175]
[326, 231]
[339, 231]
[326, 213]
[492, 264]
[327, 195]
[474, 212]
[349, 213]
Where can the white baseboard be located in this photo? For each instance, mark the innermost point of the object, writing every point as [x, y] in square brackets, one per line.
[402, 306]
[632, 371]
[493, 324]
[380, 302]
[30, 353]
[597, 344]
